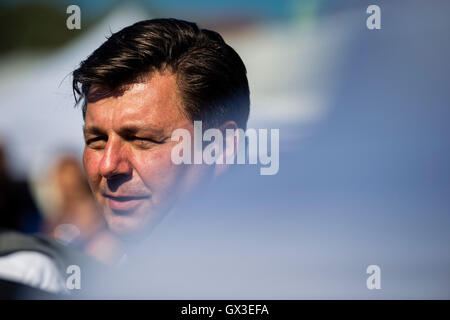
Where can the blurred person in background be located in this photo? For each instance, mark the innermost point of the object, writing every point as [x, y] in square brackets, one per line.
[17, 207]
[71, 214]
[34, 265]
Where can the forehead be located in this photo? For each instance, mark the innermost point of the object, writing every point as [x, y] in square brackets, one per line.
[154, 102]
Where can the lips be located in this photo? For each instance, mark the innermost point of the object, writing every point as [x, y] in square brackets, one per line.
[122, 204]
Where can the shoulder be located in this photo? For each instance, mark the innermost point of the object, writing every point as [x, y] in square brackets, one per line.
[41, 262]
[32, 268]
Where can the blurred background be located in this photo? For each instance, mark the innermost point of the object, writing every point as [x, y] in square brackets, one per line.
[364, 148]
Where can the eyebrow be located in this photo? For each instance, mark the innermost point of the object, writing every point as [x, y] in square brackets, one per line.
[94, 130]
[124, 131]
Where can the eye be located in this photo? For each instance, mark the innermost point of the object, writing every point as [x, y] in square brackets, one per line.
[96, 142]
[144, 143]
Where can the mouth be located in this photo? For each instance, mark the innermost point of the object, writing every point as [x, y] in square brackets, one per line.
[125, 204]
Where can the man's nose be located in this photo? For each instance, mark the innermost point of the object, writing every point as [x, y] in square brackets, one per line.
[115, 161]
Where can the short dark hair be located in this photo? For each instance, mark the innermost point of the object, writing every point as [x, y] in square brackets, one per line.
[211, 76]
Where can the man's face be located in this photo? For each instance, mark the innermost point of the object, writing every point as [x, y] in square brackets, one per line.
[127, 156]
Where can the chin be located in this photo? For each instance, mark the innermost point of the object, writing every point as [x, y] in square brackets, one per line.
[130, 225]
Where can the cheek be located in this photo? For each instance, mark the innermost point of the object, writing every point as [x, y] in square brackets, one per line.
[156, 168]
[91, 164]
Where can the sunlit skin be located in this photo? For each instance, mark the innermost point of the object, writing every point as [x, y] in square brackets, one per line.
[127, 154]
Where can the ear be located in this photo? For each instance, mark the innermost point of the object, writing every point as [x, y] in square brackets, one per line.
[230, 147]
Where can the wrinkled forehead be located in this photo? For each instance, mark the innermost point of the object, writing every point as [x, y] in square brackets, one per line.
[155, 101]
